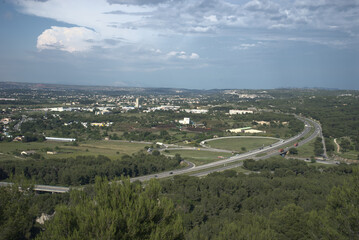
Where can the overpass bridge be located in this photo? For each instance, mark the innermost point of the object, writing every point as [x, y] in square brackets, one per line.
[42, 188]
[219, 165]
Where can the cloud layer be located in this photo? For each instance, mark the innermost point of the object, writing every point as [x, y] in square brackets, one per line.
[150, 21]
[175, 28]
[74, 39]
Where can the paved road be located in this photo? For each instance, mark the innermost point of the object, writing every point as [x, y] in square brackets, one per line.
[203, 143]
[270, 153]
[325, 155]
[222, 164]
[268, 150]
[42, 188]
[208, 149]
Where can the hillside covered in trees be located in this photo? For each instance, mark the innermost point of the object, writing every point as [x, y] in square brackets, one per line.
[285, 199]
[83, 169]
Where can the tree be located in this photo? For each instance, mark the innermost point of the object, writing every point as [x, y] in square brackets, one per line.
[343, 208]
[290, 222]
[345, 145]
[120, 210]
[156, 153]
[250, 227]
[17, 215]
[293, 151]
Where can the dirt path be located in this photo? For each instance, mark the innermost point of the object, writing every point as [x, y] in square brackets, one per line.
[338, 146]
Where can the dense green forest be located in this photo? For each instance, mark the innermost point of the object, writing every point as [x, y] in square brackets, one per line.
[83, 169]
[284, 199]
[287, 200]
[339, 117]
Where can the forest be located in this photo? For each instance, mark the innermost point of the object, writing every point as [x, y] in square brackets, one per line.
[82, 170]
[282, 199]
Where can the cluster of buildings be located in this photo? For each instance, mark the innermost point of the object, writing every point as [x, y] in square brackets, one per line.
[97, 110]
[245, 130]
[246, 95]
[163, 108]
[185, 121]
[269, 123]
[234, 112]
[196, 111]
[85, 124]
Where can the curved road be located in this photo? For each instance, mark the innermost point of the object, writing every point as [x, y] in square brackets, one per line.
[222, 164]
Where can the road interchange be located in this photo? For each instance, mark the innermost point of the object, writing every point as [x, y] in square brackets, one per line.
[221, 165]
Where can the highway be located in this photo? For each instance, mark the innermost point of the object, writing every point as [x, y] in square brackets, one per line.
[42, 188]
[222, 164]
[231, 162]
[270, 152]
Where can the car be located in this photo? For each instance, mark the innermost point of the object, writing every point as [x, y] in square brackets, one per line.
[156, 176]
[171, 172]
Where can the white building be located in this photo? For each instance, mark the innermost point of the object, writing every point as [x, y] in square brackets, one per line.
[233, 112]
[196, 111]
[253, 131]
[185, 121]
[60, 139]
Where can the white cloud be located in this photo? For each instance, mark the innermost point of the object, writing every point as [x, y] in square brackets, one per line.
[211, 18]
[74, 39]
[183, 55]
[119, 23]
[245, 46]
[200, 29]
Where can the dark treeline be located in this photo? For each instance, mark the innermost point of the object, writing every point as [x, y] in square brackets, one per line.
[286, 200]
[83, 169]
[339, 116]
[119, 210]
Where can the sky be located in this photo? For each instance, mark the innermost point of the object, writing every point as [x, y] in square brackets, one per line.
[195, 44]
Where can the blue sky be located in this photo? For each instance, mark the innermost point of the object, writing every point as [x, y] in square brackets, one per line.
[201, 44]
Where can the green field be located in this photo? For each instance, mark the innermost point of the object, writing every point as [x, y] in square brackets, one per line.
[112, 149]
[236, 144]
[351, 154]
[199, 157]
[306, 150]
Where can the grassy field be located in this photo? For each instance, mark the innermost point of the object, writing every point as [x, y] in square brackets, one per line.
[353, 155]
[236, 144]
[306, 150]
[199, 157]
[112, 149]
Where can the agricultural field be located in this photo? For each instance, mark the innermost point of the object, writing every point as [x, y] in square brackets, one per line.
[241, 145]
[199, 157]
[112, 149]
[306, 150]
